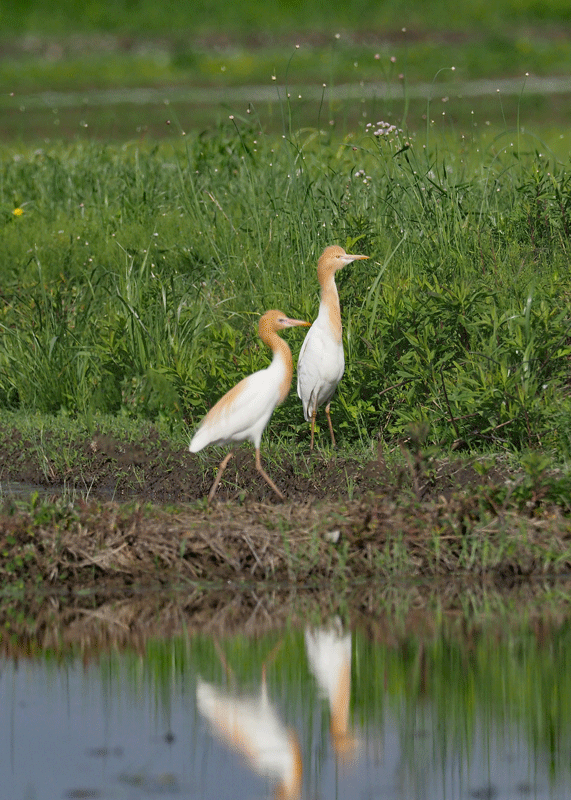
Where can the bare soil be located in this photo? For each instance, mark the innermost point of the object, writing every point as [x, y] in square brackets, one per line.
[152, 471]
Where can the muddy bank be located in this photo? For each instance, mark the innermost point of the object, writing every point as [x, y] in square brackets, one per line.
[342, 519]
[76, 565]
[151, 470]
[103, 570]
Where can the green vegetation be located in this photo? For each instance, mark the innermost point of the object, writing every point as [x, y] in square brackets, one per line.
[251, 17]
[83, 66]
[133, 277]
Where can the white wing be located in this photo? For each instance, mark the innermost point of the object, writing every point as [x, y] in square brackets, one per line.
[242, 413]
[320, 367]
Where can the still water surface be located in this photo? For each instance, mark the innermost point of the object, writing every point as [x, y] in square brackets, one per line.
[314, 713]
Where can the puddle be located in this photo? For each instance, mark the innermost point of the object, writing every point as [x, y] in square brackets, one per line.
[314, 712]
[26, 492]
[23, 491]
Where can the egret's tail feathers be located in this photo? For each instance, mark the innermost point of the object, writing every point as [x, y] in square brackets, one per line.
[307, 402]
[198, 441]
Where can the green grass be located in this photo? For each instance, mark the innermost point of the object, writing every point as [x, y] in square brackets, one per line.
[134, 278]
[251, 17]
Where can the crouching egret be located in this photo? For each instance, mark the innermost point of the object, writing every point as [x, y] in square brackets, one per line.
[243, 413]
[321, 360]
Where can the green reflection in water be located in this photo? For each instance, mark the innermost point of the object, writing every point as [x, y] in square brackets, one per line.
[456, 694]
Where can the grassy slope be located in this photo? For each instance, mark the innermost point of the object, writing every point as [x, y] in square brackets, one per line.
[139, 43]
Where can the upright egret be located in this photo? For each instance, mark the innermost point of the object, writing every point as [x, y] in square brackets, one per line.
[244, 411]
[321, 360]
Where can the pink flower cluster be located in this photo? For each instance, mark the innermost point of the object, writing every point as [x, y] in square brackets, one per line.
[383, 129]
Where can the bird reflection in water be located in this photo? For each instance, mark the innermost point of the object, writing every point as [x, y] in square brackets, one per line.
[251, 726]
[329, 655]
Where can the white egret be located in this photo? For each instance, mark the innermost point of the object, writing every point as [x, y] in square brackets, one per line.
[244, 411]
[321, 360]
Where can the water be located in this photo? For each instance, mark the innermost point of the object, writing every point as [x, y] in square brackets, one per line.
[316, 713]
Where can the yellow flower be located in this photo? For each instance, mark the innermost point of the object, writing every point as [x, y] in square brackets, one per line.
[17, 212]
